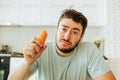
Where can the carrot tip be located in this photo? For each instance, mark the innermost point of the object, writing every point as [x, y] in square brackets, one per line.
[43, 35]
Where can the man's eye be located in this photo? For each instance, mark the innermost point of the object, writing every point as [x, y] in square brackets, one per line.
[64, 29]
[75, 32]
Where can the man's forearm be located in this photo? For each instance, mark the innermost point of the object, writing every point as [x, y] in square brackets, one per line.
[21, 73]
[107, 76]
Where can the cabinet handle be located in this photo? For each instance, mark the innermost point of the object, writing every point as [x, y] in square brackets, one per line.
[2, 60]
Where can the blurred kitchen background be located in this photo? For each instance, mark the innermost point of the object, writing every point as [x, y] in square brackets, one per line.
[21, 20]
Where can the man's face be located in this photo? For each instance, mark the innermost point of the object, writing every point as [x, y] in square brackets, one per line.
[69, 33]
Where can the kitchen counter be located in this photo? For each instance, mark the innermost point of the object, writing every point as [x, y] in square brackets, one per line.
[11, 55]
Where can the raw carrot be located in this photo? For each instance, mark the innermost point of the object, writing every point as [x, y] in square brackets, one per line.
[43, 35]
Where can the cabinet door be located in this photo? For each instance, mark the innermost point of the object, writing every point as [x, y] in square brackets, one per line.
[20, 12]
[51, 10]
[30, 12]
[94, 10]
[9, 11]
[16, 63]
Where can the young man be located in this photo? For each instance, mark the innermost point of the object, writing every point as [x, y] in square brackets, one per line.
[68, 58]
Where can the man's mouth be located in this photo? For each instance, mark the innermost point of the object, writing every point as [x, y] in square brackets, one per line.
[64, 42]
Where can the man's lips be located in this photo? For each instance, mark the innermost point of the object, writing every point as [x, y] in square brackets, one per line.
[65, 42]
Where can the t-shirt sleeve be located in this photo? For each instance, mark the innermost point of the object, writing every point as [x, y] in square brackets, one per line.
[96, 64]
[34, 67]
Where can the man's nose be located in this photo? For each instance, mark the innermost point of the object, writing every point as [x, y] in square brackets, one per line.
[67, 35]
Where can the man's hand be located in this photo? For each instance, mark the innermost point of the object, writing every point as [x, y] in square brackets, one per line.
[33, 50]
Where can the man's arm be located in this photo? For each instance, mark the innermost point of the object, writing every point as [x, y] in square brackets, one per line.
[22, 73]
[107, 76]
[31, 53]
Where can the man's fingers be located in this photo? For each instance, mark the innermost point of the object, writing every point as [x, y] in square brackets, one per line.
[37, 42]
[34, 49]
[28, 52]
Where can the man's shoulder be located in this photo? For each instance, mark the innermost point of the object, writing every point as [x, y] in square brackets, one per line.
[87, 44]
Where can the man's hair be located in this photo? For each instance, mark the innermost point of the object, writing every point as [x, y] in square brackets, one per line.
[76, 16]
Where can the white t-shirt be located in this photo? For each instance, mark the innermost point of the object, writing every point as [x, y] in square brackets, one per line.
[85, 63]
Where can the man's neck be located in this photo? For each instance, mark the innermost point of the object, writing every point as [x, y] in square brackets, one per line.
[63, 54]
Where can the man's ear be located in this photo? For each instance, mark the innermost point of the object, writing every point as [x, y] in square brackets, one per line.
[81, 37]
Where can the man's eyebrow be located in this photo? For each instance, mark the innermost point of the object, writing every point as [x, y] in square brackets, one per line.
[73, 28]
[65, 26]
[77, 29]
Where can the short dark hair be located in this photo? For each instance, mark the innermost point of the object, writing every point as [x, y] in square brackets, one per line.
[76, 16]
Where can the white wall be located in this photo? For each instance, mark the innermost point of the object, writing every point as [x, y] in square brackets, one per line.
[112, 29]
[18, 37]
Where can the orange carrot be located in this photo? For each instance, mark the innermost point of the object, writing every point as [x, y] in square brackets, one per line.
[43, 35]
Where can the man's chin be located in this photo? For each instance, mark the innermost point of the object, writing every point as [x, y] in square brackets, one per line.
[65, 50]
